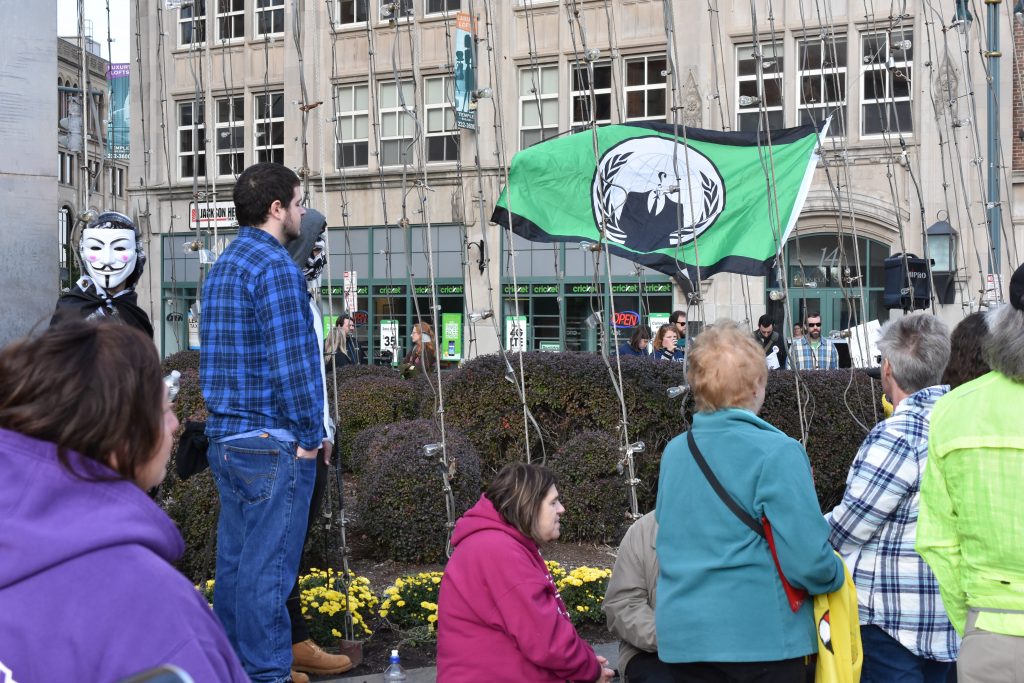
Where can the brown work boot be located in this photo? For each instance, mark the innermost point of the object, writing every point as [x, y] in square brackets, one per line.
[299, 677]
[307, 656]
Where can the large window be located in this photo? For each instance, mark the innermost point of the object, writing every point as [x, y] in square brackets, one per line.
[192, 24]
[442, 135]
[116, 181]
[353, 126]
[584, 109]
[191, 139]
[886, 78]
[396, 9]
[269, 18]
[538, 104]
[822, 79]
[396, 126]
[230, 135]
[268, 128]
[645, 88]
[759, 86]
[66, 168]
[230, 20]
[353, 11]
[435, 6]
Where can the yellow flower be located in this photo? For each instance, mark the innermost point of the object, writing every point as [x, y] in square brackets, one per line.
[435, 579]
[432, 618]
[336, 633]
[383, 612]
[401, 603]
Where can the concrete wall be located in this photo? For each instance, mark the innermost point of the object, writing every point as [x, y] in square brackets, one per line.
[28, 167]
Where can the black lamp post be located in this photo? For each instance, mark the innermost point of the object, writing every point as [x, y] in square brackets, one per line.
[941, 251]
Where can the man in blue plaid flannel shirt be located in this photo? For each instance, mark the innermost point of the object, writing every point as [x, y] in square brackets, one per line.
[811, 352]
[904, 629]
[260, 375]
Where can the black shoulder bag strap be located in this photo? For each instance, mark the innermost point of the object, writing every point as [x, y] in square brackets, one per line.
[717, 486]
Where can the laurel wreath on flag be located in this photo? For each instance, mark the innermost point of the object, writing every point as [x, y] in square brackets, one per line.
[712, 198]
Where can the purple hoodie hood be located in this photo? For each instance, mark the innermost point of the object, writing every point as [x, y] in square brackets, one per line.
[50, 516]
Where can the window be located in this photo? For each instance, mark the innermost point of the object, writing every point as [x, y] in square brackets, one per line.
[754, 97]
[68, 267]
[353, 11]
[822, 78]
[395, 9]
[66, 168]
[230, 131]
[396, 126]
[442, 135]
[192, 23]
[645, 88]
[116, 181]
[436, 6]
[886, 78]
[538, 104]
[191, 139]
[269, 18]
[268, 131]
[353, 126]
[581, 92]
[230, 19]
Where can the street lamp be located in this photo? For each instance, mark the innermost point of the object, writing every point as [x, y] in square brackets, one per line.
[963, 17]
[941, 253]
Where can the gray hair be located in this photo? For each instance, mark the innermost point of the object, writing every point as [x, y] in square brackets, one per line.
[917, 348]
[1004, 345]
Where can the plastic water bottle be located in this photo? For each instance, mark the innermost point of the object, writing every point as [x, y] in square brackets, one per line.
[394, 672]
[173, 382]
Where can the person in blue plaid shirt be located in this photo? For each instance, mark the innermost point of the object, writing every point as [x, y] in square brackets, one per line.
[811, 352]
[260, 375]
[904, 629]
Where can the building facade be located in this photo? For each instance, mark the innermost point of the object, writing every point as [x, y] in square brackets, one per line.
[366, 100]
[86, 176]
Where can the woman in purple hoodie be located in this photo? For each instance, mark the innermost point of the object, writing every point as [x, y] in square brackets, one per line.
[86, 584]
[500, 617]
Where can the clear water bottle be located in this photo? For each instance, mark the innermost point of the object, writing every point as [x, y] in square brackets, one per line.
[394, 672]
[173, 382]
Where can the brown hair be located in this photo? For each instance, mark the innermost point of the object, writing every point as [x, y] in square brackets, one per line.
[517, 493]
[659, 338]
[726, 366]
[92, 387]
[966, 359]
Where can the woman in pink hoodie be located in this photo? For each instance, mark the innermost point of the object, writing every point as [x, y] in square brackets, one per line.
[500, 617]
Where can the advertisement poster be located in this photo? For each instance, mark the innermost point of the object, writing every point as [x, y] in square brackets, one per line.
[515, 333]
[351, 290]
[329, 322]
[211, 215]
[465, 71]
[657, 320]
[120, 112]
[389, 339]
[451, 327]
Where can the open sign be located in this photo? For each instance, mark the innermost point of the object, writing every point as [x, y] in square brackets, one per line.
[360, 317]
[627, 319]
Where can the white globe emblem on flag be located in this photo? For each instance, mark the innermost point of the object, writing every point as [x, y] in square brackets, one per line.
[656, 193]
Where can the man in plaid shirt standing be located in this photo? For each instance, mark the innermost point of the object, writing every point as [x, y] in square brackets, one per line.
[905, 632]
[811, 352]
[260, 376]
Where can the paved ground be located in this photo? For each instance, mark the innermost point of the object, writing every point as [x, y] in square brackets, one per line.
[429, 674]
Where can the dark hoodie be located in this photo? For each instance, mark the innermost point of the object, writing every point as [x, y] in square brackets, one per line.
[85, 302]
[500, 617]
[86, 589]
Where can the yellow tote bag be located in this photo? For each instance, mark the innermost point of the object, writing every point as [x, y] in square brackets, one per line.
[836, 621]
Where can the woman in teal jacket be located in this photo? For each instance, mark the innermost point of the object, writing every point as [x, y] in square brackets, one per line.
[722, 612]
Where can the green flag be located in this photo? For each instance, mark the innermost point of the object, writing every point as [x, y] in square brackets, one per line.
[671, 203]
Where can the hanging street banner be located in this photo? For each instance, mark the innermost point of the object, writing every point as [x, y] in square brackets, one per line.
[351, 284]
[665, 201]
[120, 111]
[451, 336]
[465, 71]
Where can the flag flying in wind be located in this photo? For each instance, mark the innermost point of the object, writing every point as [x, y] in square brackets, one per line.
[671, 203]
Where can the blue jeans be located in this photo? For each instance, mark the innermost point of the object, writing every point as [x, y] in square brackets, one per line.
[264, 501]
[887, 661]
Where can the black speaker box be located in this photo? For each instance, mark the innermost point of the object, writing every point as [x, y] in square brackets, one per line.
[906, 283]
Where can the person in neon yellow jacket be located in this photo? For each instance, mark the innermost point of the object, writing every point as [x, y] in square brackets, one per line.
[971, 522]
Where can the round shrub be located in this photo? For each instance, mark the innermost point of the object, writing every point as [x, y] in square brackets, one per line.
[181, 361]
[400, 506]
[369, 400]
[593, 492]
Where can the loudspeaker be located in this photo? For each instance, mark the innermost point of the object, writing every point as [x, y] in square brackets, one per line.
[898, 294]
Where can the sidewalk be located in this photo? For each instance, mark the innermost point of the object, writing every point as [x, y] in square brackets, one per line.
[429, 674]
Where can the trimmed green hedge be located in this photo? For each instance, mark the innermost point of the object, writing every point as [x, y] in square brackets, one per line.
[400, 507]
[593, 492]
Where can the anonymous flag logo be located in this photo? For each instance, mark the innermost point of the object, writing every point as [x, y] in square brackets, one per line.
[656, 193]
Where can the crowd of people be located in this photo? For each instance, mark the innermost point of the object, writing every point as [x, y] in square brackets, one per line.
[735, 576]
